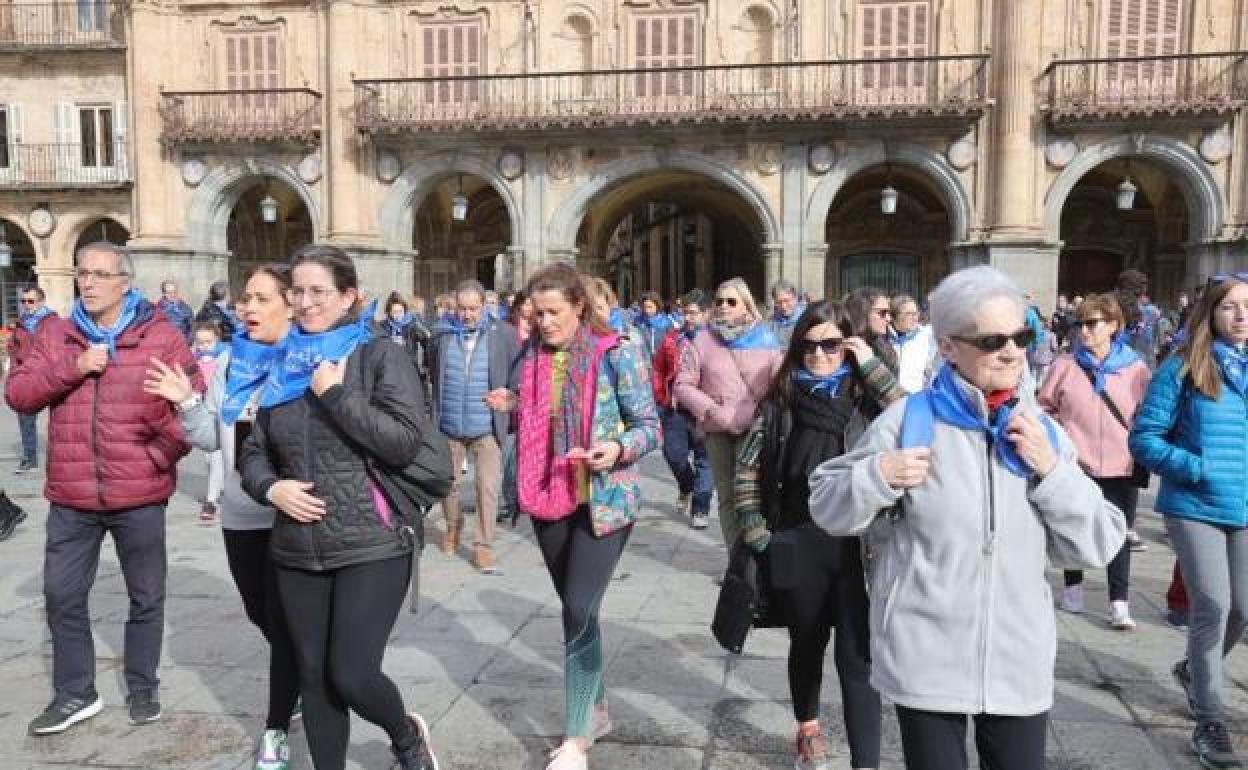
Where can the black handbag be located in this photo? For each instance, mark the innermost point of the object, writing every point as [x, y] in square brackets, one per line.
[745, 599]
[1139, 474]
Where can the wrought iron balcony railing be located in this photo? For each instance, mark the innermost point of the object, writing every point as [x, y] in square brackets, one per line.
[59, 166]
[786, 92]
[1147, 86]
[248, 115]
[85, 24]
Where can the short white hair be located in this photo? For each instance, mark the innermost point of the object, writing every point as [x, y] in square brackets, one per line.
[953, 303]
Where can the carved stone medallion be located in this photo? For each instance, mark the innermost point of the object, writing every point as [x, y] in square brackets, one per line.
[193, 171]
[510, 164]
[1060, 151]
[822, 157]
[388, 166]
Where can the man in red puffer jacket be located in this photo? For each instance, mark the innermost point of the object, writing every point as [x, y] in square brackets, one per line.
[112, 452]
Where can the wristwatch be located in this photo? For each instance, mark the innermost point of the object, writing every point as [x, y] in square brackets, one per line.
[190, 403]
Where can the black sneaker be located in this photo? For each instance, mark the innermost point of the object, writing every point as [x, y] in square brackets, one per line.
[144, 707]
[61, 714]
[419, 756]
[1183, 676]
[1212, 744]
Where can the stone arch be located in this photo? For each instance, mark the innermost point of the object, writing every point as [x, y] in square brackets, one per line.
[209, 214]
[413, 185]
[931, 164]
[1205, 206]
[561, 233]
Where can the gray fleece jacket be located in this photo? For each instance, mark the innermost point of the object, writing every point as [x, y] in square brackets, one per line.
[961, 613]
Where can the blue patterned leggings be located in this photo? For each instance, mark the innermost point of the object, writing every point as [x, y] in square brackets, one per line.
[581, 565]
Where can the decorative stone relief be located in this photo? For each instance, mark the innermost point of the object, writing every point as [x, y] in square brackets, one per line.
[310, 168]
[561, 163]
[41, 221]
[510, 164]
[1215, 146]
[1060, 151]
[961, 154]
[822, 156]
[768, 158]
[388, 166]
[193, 171]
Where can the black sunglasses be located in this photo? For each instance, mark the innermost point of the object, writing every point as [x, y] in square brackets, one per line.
[729, 301]
[991, 343]
[29, 301]
[1091, 323]
[829, 345]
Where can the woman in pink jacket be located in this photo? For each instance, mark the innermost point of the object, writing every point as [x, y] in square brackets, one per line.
[1078, 391]
[724, 373]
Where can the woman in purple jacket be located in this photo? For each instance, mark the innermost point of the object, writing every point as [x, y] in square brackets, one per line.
[724, 373]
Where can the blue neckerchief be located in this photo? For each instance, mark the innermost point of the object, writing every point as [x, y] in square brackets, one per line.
[291, 375]
[830, 384]
[618, 320]
[399, 327]
[95, 335]
[250, 364]
[30, 321]
[691, 333]
[757, 336]
[951, 405]
[791, 319]
[1121, 355]
[901, 338]
[217, 350]
[1234, 363]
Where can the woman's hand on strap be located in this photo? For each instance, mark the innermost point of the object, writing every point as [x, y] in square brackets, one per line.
[905, 468]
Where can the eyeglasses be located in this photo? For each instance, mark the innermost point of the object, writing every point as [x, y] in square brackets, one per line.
[1090, 323]
[829, 345]
[729, 301]
[29, 301]
[882, 312]
[991, 343]
[317, 294]
[82, 275]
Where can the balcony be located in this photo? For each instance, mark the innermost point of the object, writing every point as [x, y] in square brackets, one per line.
[855, 90]
[251, 115]
[64, 166]
[91, 25]
[1186, 85]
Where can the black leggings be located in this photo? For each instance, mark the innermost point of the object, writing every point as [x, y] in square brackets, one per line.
[247, 551]
[1125, 496]
[933, 740]
[340, 621]
[820, 585]
[581, 565]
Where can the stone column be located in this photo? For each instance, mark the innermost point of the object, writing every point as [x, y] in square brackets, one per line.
[1015, 61]
[57, 281]
[773, 256]
[815, 270]
[152, 218]
[792, 198]
[345, 195]
[533, 211]
[1213, 258]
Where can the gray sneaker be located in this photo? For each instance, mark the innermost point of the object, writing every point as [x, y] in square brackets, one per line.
[1212, 744]
[144, 707]
[63, 713]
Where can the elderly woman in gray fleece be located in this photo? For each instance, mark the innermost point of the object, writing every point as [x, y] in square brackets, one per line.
[964, 492]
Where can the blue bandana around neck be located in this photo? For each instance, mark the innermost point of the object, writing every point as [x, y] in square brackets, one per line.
[250, 364]
[291, 375]
[1234, 363]
[785, 321]
[30, 321]
[1121, 355]
[399, 327]
[950, 404]
[95, 335]
[618, 320]
[901, 338]
[691, 333]
[829, 384]
[217, 350]
[756, 336]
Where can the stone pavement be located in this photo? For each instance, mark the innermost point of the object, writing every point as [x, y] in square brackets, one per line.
[482, 660]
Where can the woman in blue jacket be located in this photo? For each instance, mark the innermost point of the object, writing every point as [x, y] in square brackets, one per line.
[1192, 430]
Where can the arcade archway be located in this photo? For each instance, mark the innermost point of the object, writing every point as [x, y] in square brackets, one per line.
[21, 270]
[268, 222]
[459, 230]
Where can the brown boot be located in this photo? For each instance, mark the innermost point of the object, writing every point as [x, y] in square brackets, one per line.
[483, 559]
[450, 541]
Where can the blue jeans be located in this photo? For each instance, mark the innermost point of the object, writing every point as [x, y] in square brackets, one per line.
[678, 441]
[29, 425]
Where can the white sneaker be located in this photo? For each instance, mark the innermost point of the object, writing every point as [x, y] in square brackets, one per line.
[1072, 599]
[699, 520]
[1120, 617]
[601, 724]
[568, 757]
[1135, 542]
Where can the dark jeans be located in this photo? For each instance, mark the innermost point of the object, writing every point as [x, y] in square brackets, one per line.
[247, 551]
[821, 586]
[580, 565]
[29, 426]
[71, 559]
[678, 441]
[934, 740]
[340, 621]
[1125, 496]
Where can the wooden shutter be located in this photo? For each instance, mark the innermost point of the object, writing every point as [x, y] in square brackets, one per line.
[452, 50]
[252, 62]
[895, 29]
[1142, 28]
[666, 40]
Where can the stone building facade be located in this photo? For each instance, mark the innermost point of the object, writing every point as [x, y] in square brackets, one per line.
[663, 143]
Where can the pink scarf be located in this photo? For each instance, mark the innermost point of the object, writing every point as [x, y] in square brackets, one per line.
[545, 477]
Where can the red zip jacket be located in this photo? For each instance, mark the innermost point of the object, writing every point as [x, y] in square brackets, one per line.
[21, 342]
[666, 362]
[111, 447]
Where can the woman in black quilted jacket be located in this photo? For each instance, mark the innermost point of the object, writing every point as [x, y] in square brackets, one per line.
[336, 404]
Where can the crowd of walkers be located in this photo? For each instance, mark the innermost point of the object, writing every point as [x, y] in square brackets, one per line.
[900, 473]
